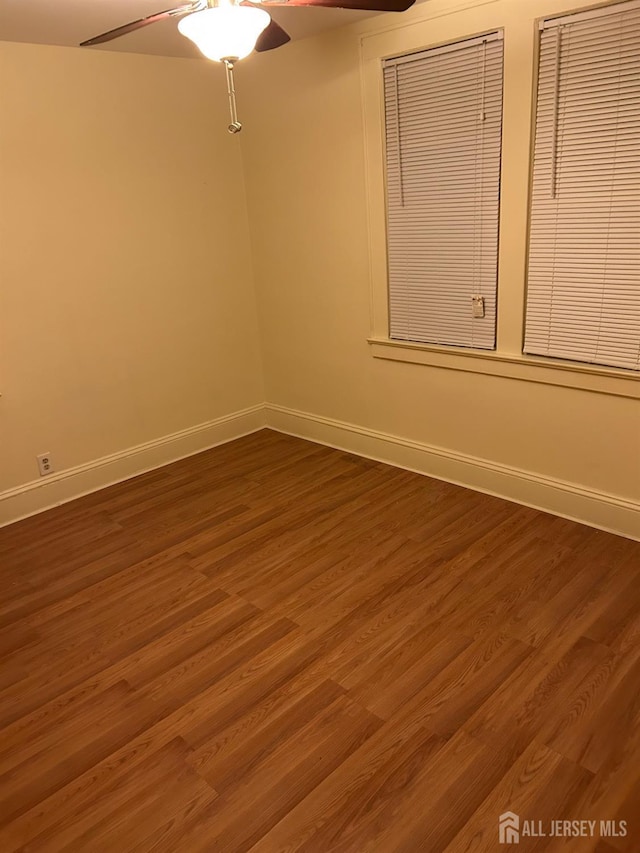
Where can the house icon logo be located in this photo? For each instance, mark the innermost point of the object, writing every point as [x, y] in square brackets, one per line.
[509, 827]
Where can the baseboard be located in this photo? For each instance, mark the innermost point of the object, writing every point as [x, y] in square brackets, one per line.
[38, 495]
[569, 500]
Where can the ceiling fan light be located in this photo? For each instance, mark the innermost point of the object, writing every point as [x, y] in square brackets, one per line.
[225, 32]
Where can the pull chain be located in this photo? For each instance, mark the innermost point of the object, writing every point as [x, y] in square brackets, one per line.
[235, 126]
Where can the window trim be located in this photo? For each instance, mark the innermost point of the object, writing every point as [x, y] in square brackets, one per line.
[422, 30]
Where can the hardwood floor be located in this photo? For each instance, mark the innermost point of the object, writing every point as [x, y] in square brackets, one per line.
[275, 646]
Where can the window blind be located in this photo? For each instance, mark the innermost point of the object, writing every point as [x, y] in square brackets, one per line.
[443, 111]
[583, 295]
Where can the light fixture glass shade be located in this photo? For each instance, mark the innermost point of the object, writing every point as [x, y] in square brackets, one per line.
[225, 32]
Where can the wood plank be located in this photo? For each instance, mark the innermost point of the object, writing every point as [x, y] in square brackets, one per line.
[279, 646]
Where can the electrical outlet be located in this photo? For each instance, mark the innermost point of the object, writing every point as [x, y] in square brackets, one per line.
[45, 464]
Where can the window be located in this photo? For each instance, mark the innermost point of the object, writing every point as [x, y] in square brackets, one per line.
[583, 298]
[443, 116]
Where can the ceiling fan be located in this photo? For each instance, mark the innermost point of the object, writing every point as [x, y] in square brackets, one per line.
[229, 30]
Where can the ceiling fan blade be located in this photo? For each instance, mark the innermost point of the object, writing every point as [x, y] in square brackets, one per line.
[364, 5]
[141, 22]
[273, 36]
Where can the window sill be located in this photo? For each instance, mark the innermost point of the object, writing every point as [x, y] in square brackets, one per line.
[600, 380]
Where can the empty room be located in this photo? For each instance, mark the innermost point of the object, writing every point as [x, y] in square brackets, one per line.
[320, 426]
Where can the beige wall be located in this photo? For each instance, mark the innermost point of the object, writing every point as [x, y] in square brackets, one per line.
[128, 263]
[305, 168]
[127, 310]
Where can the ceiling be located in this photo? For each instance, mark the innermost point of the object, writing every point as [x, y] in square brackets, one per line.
[68, 22]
